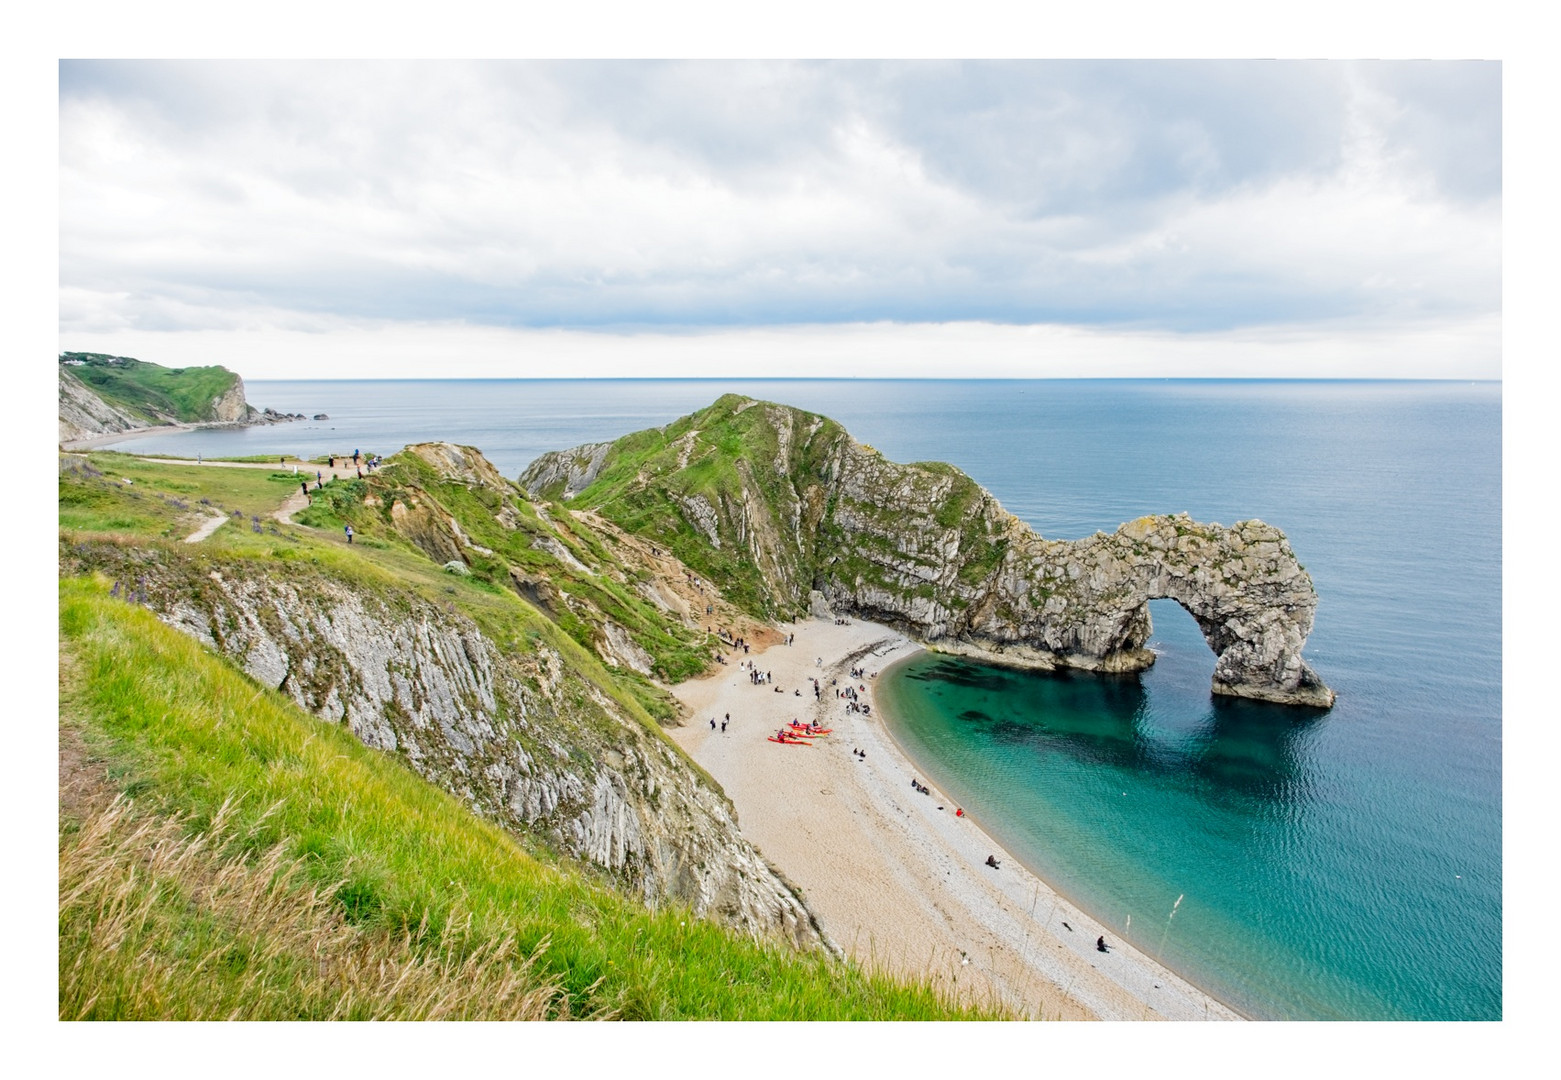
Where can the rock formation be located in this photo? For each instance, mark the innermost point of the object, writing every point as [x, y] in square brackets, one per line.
[924, 548]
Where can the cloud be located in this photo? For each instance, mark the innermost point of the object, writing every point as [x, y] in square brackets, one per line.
[1176, 196]
[1456, 349]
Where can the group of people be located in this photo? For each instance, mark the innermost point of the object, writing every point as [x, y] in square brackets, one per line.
[359, 463]
[726, 635]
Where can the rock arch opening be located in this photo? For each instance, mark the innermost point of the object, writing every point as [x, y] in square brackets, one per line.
[1183, 654]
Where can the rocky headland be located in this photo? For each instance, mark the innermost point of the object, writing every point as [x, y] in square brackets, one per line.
[104, 395]
[798, 516]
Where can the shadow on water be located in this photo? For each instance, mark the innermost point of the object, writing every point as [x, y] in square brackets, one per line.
[1228, 750]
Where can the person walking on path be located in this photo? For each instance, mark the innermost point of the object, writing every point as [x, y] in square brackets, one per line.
[354, 457]
[348, 529]
[305, 485]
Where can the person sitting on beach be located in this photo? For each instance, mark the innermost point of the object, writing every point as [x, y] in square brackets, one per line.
[991, 860]
[1100, 943]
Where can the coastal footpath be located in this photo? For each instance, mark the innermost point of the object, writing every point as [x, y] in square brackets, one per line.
[798, 516]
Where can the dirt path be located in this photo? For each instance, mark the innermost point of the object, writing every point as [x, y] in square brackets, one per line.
[213, 523]
[291, 505]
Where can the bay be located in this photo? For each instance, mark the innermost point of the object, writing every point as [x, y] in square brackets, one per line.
[1337, 865]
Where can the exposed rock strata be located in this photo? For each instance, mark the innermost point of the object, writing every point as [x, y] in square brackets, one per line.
[571, 470]
[84, 414]
[521, 738]
[924, 548]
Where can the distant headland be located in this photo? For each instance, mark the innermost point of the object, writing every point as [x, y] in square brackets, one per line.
[102, 395]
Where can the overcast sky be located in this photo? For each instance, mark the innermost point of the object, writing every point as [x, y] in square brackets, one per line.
[569, 218]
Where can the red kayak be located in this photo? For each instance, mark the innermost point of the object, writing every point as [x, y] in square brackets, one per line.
[789, 742]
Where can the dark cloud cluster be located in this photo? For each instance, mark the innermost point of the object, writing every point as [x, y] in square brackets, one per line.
[1164, 195]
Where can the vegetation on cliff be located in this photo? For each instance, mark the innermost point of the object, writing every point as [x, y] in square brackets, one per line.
[155, 394]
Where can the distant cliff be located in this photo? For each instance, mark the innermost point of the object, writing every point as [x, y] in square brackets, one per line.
[788, 513]
[105, 395]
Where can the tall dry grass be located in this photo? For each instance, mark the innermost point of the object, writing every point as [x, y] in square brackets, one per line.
[156, 923]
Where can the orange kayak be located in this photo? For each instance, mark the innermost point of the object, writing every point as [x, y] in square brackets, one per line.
[789, 742]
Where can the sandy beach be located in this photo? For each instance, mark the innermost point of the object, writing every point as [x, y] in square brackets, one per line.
[896, 879]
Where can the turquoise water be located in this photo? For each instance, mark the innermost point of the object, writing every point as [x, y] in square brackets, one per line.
[1342, 864]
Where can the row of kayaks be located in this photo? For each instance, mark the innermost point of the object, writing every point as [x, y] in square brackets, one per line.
[798, 735]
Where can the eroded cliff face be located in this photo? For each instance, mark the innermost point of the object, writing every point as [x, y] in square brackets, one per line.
[84, 414]
[517, 734]
[924, 548]
[230, 407]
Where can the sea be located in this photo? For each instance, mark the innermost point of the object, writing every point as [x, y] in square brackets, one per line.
[1296, 863]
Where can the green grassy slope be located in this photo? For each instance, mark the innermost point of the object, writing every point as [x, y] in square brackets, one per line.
[187, 734]
[720, 455]
[585, 598]
[784, 523]
[151, 391]
[167, 502]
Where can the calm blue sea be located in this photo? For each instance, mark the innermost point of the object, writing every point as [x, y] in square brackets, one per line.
[1342, 865]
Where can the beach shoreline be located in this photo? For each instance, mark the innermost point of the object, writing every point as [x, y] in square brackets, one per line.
[98, 442]
[898, 880]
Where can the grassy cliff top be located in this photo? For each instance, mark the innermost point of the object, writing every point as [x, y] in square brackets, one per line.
[370, 865]
[151, 391]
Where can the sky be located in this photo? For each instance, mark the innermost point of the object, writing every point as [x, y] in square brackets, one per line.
[1025, 218]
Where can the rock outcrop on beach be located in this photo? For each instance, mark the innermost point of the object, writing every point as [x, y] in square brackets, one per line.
[777, 504]
[516, 731]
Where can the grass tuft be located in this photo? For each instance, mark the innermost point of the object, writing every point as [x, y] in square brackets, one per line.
[157, 923]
